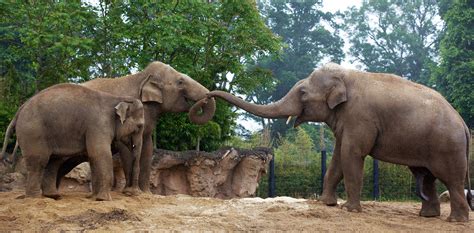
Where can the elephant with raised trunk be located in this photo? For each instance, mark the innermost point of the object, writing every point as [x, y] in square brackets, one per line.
[387, 117]
[162, 89]
[71, 120]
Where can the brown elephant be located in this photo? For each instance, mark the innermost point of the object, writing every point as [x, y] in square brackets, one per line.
[71, 120]
[162, 89]
[387, 117]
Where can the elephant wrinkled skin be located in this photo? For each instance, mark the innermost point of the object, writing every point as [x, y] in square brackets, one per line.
[386, 116]
[161, 89]
[71, 120]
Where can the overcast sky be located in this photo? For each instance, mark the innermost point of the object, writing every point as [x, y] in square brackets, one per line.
[335, 5]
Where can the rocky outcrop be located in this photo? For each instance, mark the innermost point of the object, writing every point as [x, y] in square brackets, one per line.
[225, 173]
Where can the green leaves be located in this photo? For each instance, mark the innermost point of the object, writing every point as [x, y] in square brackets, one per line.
[48, 43]
[454, 76]
[395, 37]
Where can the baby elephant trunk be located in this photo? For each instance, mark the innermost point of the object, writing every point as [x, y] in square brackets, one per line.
[137, 140]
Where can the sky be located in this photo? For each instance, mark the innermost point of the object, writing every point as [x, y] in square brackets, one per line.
[330, 6]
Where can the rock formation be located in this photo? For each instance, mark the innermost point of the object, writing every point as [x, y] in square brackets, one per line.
[225, 173]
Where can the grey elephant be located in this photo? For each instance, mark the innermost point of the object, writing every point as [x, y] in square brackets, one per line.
[161, 89]
[387, 117]
[72, 120]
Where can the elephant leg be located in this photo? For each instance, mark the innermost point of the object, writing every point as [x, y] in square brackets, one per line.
[430, 207]
[459, 206]
[353, 169]
[332, 178]
[145, 163]
[50, 178]
[452, 174]
[35, 168]
[354, 147]
[100, 158]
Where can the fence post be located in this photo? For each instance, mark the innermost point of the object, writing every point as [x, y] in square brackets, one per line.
[323, 155]
[271, 178]
[375, 170]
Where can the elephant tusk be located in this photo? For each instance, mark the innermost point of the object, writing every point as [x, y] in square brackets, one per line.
[289, 119]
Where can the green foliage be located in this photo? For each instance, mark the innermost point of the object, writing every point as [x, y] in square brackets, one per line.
[303, 28]
[48, 43]
[393, 36]
[454, 76]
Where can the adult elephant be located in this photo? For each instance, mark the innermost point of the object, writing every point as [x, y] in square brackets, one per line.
[386, 116]
[162, 89]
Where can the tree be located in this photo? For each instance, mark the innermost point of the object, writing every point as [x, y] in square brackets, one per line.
[208, 41]
[310, 36]
[454, 76]
[46, 44]
[41, 45]
[395, 36]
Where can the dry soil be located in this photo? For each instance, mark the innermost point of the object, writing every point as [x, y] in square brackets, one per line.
[152, 213]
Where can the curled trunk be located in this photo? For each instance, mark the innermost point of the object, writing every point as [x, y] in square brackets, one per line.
[207, 107]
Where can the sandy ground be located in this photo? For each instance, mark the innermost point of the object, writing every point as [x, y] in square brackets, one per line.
[183, 213]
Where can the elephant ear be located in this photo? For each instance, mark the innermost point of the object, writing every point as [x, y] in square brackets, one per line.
[338, 94]
[150, 91]
[121, 110]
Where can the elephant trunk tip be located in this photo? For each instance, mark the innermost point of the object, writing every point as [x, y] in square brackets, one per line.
[202, 111]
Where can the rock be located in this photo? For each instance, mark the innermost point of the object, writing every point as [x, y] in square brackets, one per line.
[444, 196]
[12, 181]
[81, 173]
[226, 173]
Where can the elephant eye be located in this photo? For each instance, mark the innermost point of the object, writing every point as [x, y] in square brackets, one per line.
[304, 95]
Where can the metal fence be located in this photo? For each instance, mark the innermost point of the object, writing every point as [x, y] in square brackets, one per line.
[382, 181]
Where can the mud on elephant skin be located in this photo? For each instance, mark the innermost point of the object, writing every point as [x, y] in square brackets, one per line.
[392, 119]
[71, 120]
[162, 89]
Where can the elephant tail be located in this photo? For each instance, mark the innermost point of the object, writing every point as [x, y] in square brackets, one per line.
[469, 194]
[8, 133]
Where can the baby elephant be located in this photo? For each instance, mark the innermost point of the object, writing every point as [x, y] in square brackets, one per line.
[68, 120]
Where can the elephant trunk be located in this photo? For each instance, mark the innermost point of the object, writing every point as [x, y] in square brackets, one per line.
[208, 106]
[285, 107]
[137, 141]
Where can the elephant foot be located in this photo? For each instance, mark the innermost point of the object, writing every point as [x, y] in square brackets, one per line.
[433, 211]
[352, 207]
[146, 190]
[34, 194]
[456, 217]
[54, 196]
[329, 200]
[131, 191]
[103, 197]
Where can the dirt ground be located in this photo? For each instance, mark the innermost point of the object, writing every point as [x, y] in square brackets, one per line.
[153, 213]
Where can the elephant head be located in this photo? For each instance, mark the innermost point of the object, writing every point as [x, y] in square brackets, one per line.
[130, 125]
[130, 121]
[312, 99]
[174, 91]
